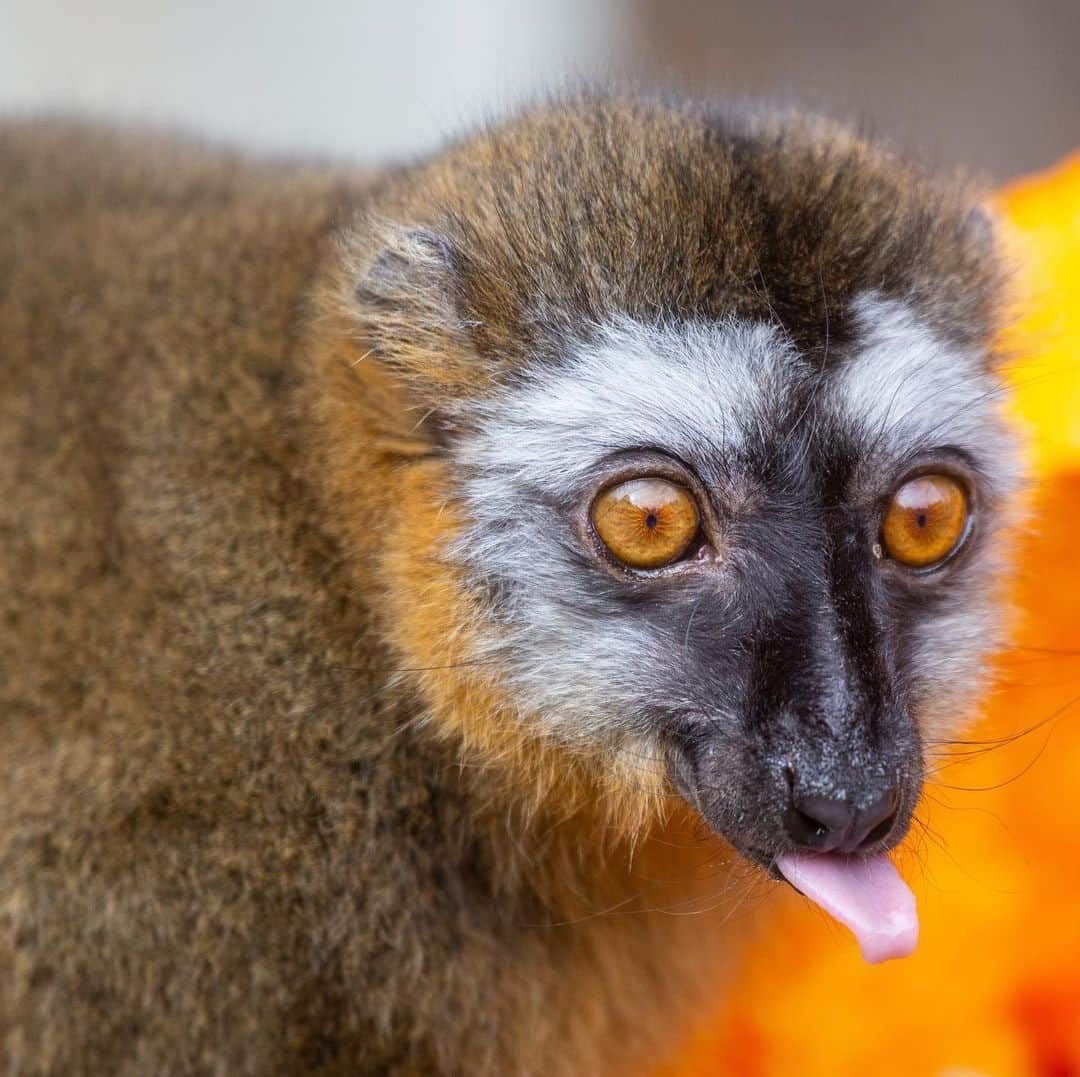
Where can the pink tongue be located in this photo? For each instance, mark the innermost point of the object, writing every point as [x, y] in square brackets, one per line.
[866, 895]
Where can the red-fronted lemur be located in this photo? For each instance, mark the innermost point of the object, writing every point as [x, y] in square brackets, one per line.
[431, 599]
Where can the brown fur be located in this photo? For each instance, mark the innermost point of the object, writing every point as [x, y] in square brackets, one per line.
[258, 811]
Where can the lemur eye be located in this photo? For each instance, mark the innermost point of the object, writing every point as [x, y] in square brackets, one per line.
[925, 521]
[646, 523]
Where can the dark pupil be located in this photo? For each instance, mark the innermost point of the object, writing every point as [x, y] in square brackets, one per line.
[921, 518]
[651, 521]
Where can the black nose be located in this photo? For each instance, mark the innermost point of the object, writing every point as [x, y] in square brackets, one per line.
[822, 823]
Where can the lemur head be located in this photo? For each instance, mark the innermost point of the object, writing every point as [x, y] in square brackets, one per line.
[719, 448]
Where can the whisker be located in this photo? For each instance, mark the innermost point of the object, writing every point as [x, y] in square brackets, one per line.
[975, 808]
[975, 747]
[1008, 781]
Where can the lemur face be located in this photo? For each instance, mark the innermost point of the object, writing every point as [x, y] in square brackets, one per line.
[699, 539]
[724, 429]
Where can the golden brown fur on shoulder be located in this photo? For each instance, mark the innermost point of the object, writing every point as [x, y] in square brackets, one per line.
[269, 803]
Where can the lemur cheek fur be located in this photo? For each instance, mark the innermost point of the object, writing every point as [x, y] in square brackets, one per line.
[423, 591]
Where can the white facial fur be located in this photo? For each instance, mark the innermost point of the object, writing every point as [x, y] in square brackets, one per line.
[906, 390]
[703, 393]
[690, 390]
[636, 385]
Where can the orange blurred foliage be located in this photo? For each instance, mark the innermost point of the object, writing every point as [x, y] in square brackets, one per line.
[994, 987]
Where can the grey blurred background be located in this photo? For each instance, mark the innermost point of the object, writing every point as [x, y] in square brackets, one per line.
[993, 85]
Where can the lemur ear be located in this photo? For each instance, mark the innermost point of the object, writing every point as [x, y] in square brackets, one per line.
[982, 226]
[410, 303]
[413, 263]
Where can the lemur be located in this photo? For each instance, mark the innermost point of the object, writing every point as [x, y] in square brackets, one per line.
[440, 603]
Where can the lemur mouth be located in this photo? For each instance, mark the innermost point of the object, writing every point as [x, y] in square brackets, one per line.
[832, 849]
[864, 893]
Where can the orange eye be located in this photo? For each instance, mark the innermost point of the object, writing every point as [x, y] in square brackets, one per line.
[646, 523]
[925, 521]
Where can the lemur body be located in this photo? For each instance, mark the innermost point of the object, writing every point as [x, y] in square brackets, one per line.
[334, 741]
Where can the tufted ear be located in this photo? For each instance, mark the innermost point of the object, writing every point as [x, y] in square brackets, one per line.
[410, 300]
[982, 228]
[986, 273]
[413, 264]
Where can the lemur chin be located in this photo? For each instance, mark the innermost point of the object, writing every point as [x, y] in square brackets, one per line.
[422, 585]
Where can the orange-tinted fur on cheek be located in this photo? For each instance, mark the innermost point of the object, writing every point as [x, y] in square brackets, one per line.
[393, 498]
[622, 869]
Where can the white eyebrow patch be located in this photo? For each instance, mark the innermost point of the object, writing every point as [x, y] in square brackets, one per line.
[679, 388]
[905, 390]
